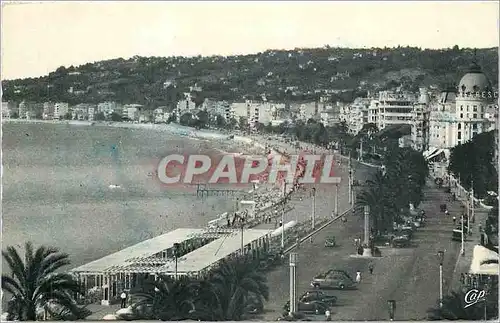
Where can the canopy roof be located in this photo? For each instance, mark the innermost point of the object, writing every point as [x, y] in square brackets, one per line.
[484, 261]
[143, 249]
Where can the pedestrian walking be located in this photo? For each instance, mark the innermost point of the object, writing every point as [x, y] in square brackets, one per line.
[358, 277]
[281, 223]
[446, 212]
[370, 268]
[328, 315]
[454, 219]
[123, 298]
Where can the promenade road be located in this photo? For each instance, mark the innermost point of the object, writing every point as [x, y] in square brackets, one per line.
[410, 276]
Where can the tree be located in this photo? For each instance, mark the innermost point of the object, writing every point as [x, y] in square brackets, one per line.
[243, 123]
[220, 122]
[14, 115]
[36, 284]
[454, 307]
[115, 117]
[165, 299]
[202, 119]
[186, 119]
[235, 282]
[68, 116]
[100, 116]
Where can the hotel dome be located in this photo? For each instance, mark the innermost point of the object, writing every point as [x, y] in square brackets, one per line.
[474, 81]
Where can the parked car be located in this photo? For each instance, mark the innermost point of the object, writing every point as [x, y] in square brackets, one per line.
[330, 242]
[333, 279]
[317, 295]
[312, 307]
[400, 242]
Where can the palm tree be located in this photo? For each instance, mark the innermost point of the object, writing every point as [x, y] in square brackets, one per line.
[34, 283]
[165, 299]
[235, 282]
[378, 196]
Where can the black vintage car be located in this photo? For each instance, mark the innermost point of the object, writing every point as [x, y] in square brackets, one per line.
[312, 307]
[318, 295]
[400, 242]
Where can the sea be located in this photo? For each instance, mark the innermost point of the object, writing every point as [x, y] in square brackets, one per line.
[88, 190]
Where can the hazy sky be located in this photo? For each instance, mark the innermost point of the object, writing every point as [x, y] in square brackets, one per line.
[39, 37]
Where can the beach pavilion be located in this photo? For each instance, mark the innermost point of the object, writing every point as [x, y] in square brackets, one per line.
[198, 251]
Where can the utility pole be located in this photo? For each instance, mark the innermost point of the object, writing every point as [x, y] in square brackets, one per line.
[367, 224]
[293, 283]
[336, 199]
[313, 214]
[472, 208]
[462, 248]
[283, 218]
[350, 179]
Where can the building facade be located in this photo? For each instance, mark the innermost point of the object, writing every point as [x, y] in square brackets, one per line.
[391, 108]
[460, 114]
[420, 124]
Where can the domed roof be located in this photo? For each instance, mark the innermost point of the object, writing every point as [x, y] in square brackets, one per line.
[474, 81]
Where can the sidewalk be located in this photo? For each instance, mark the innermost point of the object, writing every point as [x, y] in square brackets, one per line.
[463, 262]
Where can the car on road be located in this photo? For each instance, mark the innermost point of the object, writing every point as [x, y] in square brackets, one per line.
[330, 242]
[318, 295]
[336, 279]
[312, 307]
[400, 242]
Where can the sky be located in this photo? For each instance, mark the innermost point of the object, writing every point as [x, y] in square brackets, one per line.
[36, 38]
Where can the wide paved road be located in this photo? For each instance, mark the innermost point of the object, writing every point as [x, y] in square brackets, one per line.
[409, 276]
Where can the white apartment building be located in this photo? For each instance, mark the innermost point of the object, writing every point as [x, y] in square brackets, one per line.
[459, 116]
[132, 111]
[420, 124]
[92, 111]
[60, 109]
[81, 111]
[184, 105]
[6, 111]
[391, 108]
[107, 108]
[329, 117]
[308, 110]
[358, 115]
[48, 111]
[255, 112]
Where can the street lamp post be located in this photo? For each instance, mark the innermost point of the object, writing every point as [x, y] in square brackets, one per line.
[283, 218]
[462, 246]
[293, 282]
[336, 199]
[313, 215]
[176, 257]
[350, 179]
[392, 308]
[441, 258]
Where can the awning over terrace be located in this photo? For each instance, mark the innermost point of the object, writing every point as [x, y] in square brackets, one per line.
[143, 249]
[484, 261]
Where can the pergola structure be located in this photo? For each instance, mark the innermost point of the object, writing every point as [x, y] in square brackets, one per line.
[131, 267]
[142, 258]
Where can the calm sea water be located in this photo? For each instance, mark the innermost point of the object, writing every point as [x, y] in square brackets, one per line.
[56, 190]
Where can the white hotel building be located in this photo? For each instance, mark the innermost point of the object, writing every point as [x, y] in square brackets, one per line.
[391, 108]
[460, 115]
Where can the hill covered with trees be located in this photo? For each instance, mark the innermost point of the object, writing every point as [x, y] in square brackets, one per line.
[281, 75]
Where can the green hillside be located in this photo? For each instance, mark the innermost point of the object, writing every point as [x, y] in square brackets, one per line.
[305, 72]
